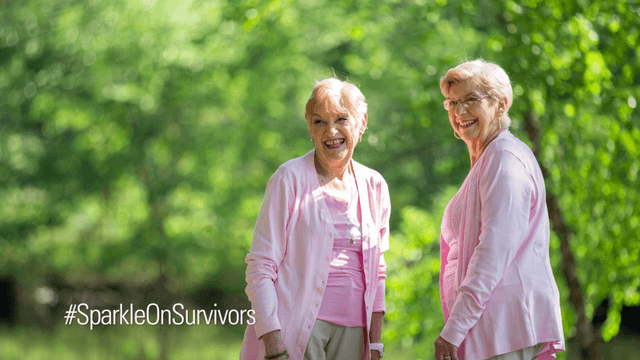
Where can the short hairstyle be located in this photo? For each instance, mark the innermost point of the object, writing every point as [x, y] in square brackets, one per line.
[337, 96]
[487, 76]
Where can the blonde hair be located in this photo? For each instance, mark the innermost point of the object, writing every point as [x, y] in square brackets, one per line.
[487, 76]
[337, 96]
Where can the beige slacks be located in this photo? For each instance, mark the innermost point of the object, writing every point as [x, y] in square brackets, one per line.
[334, 342]
[529, 353]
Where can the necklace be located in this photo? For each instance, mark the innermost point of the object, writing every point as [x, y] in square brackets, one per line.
[349, 234]
[351, 188]
[354, 196]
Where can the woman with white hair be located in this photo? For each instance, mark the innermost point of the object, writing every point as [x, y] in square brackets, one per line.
[315, 271]
[498, 293]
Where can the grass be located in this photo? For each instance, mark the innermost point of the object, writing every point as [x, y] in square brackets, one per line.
[129, 342]
[120, 342]
[624, 346]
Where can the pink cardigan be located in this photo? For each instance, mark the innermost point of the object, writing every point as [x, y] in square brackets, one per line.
[504, 296]
[288, 264]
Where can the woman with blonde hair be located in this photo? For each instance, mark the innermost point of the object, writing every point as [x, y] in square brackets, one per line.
[316, 271]
[499, 296]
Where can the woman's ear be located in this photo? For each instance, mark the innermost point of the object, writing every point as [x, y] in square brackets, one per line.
[309, 128]
[503, 104]
[364, 125]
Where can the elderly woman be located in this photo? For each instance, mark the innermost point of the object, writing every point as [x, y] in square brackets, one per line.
[499, 297]
[315, 271]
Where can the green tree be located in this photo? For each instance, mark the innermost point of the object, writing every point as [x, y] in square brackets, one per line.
[136, 138]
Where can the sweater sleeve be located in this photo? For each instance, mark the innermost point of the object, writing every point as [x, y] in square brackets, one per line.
[267, 252]
[379, 302]
[506, 191]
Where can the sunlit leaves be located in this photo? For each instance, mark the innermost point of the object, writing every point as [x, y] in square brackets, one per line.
[21, 152]
[140, 132]
[413, 304]
[191, 216]
[23, 206]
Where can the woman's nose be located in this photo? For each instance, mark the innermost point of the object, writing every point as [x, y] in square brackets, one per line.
[332, 129]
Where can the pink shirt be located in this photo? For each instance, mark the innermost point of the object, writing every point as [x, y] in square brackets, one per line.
[497, 288]
[343, 300]
[288, 264]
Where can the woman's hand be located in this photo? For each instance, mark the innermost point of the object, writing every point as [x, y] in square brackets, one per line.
[272, 343]
[445, 350]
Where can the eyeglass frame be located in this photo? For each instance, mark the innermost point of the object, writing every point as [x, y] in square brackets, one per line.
[465, 103]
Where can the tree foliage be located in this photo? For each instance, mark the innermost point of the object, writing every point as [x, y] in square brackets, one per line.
[136, 137]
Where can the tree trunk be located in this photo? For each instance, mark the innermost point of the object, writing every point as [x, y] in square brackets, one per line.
[587, 337]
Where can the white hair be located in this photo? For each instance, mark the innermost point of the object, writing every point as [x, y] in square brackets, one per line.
[488, 76]
[337, 96]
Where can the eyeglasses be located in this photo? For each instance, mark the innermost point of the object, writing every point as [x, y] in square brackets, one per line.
[451, 105]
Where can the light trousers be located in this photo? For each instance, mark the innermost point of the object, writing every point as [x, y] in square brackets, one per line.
[528, 353]
[335, 342]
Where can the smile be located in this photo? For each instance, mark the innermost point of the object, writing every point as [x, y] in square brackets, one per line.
[468, 123]
[334, 143]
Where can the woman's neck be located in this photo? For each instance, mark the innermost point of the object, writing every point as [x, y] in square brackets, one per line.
[331, 171]
[477, 146]
[338, 182]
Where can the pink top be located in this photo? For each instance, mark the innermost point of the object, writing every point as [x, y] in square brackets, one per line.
[497, 288]
[289, 261]
[343, 301]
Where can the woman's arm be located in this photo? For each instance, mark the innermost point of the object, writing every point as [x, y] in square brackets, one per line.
[375, 332]
[385, 213]
[267, 252]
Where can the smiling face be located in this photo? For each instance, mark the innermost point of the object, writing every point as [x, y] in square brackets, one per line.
[336, 115]
[479, 121]
[335, 133]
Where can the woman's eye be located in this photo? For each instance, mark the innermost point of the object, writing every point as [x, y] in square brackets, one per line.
[317, 122]
[471, 99]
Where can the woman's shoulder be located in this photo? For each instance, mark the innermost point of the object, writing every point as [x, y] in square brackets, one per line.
[507, 143]
[508, 148]
[295, 166]
[369, 175]
[293, 174]
[366, 171]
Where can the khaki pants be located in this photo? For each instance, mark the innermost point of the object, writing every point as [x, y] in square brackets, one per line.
[334, 342]
[529, 353]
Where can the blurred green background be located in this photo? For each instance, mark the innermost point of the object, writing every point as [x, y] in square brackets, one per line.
[137, 136]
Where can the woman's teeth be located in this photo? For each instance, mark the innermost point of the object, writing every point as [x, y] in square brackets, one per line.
[334, 142]
[468, 123]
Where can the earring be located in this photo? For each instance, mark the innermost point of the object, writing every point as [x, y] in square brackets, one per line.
[455, 134]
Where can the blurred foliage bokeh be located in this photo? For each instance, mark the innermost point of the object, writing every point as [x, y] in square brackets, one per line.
[136, 137]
